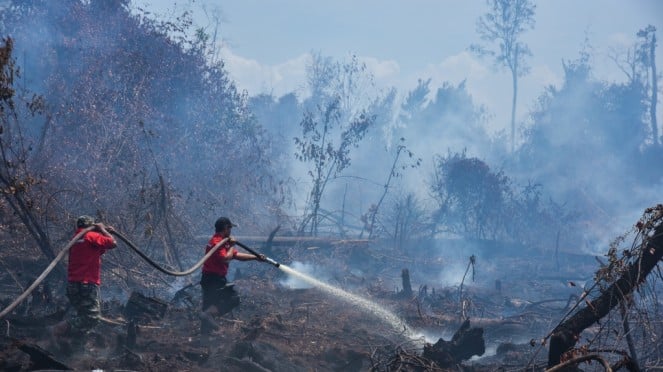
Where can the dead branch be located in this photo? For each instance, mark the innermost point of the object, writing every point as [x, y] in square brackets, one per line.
[629, 337]
[565, 335]
[579, 360]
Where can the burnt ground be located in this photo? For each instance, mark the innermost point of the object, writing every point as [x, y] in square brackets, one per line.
[515, 298]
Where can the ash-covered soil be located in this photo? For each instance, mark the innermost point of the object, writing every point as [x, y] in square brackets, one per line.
[282, 326]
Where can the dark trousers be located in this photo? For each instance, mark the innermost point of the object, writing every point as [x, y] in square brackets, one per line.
[216, 292]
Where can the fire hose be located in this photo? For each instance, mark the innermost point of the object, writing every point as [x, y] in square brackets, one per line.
[164, 270]
[197, 265]
[43, 275]
[60, 255]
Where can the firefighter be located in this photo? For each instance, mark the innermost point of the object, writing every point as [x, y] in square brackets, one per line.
[219, 296]
[83, 281]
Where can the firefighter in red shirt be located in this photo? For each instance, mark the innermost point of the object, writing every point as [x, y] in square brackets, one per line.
[219, 297]
[84, 278]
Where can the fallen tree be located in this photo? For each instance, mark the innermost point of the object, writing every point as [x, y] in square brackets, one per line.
[644, 258]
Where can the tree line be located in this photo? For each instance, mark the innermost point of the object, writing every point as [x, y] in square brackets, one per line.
[107, 111]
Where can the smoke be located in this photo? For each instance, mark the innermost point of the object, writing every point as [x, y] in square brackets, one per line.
[292, 282]
[465, 263]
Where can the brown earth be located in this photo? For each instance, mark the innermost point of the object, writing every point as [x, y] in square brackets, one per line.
[278, 328]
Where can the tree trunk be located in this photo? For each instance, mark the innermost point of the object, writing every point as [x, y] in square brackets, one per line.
[514, 79]
[407, 286]
[169, 246]
[565, 336]
[654, 88]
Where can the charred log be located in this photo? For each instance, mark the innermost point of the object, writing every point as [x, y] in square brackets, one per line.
[140, 308]
[143, 308]
[464, 344]
[565, 336]
[40, 358]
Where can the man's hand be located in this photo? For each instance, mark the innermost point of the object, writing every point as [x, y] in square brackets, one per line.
[106, 230]
[261, 257]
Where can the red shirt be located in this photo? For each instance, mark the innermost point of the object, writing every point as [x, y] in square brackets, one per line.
[85, 257]
[216, 264]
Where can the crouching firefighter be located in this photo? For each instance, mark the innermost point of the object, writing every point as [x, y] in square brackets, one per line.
[84, 279]
[219, 296]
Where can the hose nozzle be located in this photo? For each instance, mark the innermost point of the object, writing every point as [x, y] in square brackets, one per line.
[269, 260]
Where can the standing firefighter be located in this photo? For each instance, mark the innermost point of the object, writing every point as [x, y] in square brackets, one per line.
[84, 278]
[219, 297]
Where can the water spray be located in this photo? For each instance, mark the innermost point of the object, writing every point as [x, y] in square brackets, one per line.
[392, 319]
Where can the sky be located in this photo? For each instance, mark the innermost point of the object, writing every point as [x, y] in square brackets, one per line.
[265, 44]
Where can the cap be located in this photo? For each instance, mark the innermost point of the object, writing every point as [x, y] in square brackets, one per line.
[84, 221]
[223, 222]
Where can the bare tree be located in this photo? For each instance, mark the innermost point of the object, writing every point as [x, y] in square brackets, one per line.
[16, 180]
[370, 217]
[504, 25]
[406, 220]
[327, 155]
[639, 65]
[336, 118]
